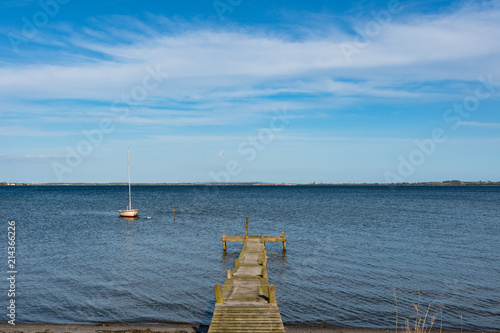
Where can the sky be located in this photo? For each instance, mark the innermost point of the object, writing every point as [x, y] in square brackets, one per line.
[249, 91]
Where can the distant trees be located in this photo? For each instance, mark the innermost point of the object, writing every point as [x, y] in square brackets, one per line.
[452, 182]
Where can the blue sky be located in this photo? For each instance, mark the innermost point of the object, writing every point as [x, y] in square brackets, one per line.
[242, 91]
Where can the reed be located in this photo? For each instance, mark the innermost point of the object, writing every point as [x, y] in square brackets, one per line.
[423, 323]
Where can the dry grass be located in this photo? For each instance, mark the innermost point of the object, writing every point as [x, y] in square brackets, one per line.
[421, 324]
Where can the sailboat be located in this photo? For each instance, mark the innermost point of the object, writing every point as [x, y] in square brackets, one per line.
[129, 212]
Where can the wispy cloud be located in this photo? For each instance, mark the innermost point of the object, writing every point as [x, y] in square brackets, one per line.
[17, 3]
[24, 131]
[478, 124]
[31, 157]
[212, 63]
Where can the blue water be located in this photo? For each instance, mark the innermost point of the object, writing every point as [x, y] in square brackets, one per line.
[348, 248]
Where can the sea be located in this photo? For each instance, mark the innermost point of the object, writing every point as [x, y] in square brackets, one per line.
[357, 256]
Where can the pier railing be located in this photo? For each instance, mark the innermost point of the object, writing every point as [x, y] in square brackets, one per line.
[244, 238]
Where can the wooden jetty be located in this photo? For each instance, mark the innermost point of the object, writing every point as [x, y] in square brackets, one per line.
[247, 302]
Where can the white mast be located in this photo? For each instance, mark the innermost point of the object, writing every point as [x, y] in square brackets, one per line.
[129, 193]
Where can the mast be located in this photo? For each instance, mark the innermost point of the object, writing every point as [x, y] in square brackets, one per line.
[129, 193]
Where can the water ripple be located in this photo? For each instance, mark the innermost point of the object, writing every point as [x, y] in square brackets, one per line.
[348, 247]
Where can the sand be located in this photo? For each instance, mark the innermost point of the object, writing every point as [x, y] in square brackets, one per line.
[169, 328]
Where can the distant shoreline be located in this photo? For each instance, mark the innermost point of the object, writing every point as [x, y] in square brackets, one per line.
[444, 183]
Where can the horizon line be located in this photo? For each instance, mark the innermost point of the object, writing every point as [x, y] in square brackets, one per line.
[445, 183]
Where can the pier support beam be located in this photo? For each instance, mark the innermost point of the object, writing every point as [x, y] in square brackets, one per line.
[224, 242]
[218, 294]
[272, 293]
[284, 241]
[264, 272]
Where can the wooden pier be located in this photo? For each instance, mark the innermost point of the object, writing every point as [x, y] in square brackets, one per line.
[247, 302]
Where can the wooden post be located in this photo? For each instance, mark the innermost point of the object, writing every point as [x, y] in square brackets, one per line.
[264, 272]
[247, 228]
[236, 263]
[284, 241]
[272, 293]
[229, 274]
[218, 294]
[224, 242]
[264, 262]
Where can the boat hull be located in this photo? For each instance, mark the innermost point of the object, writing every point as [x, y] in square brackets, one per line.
[129, 213]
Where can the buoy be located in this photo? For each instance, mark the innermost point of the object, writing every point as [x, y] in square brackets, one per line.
[148, 217]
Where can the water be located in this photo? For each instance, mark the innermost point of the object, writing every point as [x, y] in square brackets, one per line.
[348, 247]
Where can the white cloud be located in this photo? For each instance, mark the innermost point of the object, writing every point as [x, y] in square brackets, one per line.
[31, 157]
[25, 131]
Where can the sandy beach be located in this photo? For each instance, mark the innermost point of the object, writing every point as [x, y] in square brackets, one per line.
[171, 328]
